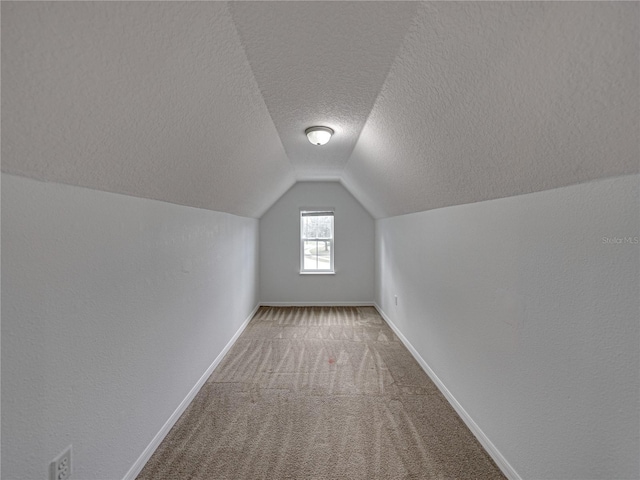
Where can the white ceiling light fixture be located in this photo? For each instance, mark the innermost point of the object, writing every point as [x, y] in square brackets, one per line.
[319, 135]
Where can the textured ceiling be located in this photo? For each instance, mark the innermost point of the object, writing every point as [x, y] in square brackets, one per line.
[434, 104]
[320, 63]
[149, 99]
[494, 99]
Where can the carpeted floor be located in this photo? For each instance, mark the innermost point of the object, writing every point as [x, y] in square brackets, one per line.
[319, 393]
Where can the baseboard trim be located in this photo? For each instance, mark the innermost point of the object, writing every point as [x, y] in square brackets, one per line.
[317, 304]
[491, 449]
[139, 464]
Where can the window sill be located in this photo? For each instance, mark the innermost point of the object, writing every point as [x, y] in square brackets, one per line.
[318, 273]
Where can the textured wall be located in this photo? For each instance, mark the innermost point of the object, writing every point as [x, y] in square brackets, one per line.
[527, 309]
[280, 279]
[112, 309]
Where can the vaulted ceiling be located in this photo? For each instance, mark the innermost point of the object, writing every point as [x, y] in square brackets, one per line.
[433, 103]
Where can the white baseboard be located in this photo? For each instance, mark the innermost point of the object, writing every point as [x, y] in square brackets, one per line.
[317, 304]
[139, 464]
[491, 449]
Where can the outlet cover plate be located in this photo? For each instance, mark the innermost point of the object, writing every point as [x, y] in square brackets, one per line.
[60, 467]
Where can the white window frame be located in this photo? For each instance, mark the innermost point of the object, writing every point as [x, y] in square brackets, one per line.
[331, 270]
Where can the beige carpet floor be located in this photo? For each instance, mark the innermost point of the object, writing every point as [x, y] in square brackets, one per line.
[319, 393]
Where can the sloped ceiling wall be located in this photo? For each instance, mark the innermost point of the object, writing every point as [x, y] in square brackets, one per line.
[434, 104]
[494, 99]
[149, 99]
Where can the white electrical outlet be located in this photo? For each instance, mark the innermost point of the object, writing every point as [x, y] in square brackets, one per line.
[396, 299]
[60, 468]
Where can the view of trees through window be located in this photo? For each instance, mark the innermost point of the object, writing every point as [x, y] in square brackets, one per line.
[317, 241]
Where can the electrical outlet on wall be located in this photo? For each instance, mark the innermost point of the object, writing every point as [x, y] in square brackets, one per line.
[395, 298]
[60, 467]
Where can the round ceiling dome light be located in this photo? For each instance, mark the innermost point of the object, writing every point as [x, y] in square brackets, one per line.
[319, 135]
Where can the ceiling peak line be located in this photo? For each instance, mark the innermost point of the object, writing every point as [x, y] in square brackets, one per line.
[411, 30]
[242, 44]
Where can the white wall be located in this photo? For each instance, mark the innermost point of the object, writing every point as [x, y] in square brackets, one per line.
[112, 309]
[530, 320]
[280, 279]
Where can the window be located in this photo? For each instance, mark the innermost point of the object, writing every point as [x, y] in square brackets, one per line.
[316, 241]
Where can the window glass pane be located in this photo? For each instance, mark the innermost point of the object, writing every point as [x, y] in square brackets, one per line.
[317, 254]
[316, 226]
[324, 255]
[310, 255]
[317, 240]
